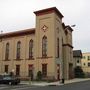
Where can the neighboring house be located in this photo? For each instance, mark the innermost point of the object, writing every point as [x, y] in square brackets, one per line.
[77, 56]
[46, 48]
[86, 63]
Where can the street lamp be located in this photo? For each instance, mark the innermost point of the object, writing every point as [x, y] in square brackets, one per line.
[1, 31]
[73, 25]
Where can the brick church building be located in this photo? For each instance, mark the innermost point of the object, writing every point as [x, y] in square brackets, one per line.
[46, 48]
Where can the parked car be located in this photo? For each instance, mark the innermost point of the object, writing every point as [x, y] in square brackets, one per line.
[7, 79]
[1, 79]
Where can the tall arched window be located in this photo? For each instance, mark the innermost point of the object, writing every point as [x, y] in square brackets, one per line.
[7, 51]
[18, 50]
[57, 47]
[31, 49]
[44, 46]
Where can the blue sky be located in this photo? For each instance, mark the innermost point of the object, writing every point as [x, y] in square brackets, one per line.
[18, 14]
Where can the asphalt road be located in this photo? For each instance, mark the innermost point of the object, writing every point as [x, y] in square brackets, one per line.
[74, 86]
[17, 87]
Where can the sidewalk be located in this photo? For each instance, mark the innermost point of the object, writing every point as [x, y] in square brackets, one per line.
[53, 83]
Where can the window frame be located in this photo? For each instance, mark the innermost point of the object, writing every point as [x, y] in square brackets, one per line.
[44, 70]
[17, 70]
[78, 61]
[88, 57]
[44, 47]
[7, 51]
[58, 52]
[88, 64]
[31, 49]
[6, 68]
[18, 53]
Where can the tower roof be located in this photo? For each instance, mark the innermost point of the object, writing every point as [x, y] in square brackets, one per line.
[48, 11]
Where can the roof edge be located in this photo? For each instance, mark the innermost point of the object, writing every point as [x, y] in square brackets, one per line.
[18, 33]
[47, 11]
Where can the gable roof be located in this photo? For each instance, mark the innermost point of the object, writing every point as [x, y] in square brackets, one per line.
[77, 53]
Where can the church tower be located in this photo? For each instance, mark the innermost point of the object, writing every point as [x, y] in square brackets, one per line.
[48, 42]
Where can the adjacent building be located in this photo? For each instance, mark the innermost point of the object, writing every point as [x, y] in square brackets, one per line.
[77, 56]
[86, 63]
[46, 48]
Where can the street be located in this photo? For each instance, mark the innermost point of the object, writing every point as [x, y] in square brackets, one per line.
[74, 86]
[17, 87]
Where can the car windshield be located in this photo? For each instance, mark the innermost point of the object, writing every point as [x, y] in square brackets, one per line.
[7, 78]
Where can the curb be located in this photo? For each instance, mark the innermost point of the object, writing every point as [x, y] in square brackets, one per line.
[55, 83]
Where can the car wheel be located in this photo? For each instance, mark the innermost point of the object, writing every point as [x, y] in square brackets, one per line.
[16, 83]
[12, 83]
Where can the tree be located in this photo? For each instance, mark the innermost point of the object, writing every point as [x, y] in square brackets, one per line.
[39, 75]
[79, 72]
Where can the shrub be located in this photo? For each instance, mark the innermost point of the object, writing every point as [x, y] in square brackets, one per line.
[79, 72]
[39, 75]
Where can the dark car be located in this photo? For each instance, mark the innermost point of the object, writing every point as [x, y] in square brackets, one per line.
[7, 79]
[1, 79]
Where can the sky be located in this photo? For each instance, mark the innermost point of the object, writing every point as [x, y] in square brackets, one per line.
[17, 15]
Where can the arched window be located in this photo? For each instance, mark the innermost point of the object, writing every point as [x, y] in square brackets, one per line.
[7, 52]
[18, 50]
[44, 46]
[31, 49]
[57, 47]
